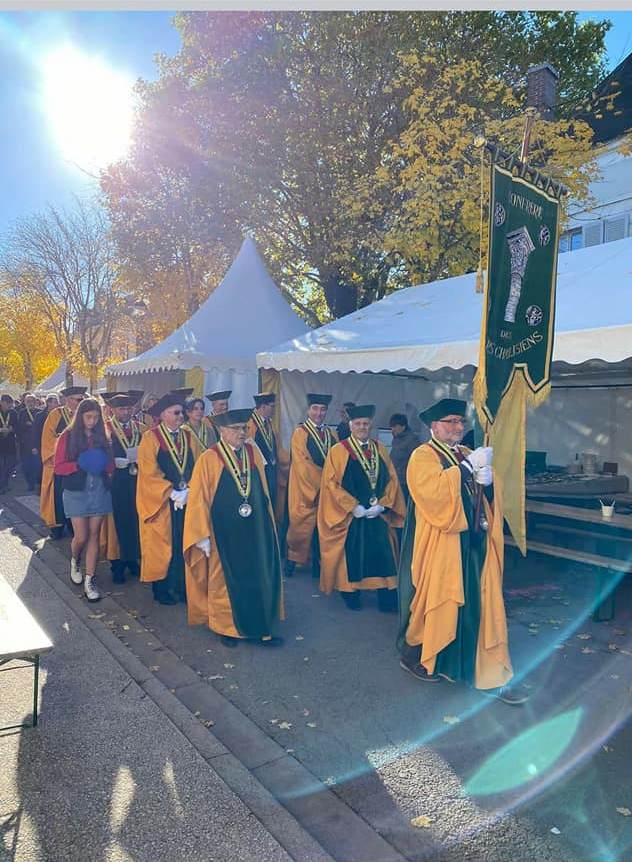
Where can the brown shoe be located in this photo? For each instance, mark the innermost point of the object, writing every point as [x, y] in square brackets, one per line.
[419, 672]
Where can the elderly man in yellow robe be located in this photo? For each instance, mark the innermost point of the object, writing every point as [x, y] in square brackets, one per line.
[452, 616]
[233, 566]
[59, 418]
[361, 505]
[166, 455]
[309, 446]
[219, 404]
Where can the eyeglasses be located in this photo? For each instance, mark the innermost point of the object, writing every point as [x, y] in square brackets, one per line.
[236, 428]
[177, 413]
[452, 421]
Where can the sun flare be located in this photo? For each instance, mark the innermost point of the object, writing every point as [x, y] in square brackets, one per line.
[88, 105]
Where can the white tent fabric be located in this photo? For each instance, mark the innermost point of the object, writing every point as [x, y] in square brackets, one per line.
[245, 313]
[56, 381]
[421, 344]
[436, 326]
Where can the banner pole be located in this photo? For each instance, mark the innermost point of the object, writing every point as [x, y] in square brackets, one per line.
[479, 488]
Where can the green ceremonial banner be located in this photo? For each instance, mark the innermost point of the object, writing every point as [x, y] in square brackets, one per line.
[517, 336]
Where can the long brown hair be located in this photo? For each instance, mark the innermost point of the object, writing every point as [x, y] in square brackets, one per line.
[77, 437]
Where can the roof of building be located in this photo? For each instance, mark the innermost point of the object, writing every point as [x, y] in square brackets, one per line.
[610, 119]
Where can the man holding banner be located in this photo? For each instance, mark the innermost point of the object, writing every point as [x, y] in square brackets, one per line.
[452, 616]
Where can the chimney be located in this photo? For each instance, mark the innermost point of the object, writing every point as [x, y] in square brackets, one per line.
[542, 89]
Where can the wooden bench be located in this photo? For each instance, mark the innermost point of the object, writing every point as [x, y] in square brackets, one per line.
[21, 640]
[605, 589]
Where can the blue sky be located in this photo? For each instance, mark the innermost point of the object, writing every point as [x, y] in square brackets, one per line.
[34, 168]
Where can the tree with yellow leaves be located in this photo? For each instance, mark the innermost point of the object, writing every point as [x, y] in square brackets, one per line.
[28, 351]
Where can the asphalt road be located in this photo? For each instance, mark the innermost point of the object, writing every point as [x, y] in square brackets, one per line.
[357, 750]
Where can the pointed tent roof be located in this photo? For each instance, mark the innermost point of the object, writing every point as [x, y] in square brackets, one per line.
[245, 313]
[436, 326]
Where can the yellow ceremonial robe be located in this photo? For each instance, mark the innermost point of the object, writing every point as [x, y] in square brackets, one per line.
[47, 488]
[208, 599]
[437, 570]
[335, 516]
[303, 495]
[153, 491]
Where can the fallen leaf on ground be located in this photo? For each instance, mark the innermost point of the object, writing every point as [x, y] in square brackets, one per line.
[229, 665]
[618, 632]
[216, 676]
[274, 721]
[612, 647]
[607, 747]
[421, 822]
[451, 719]
[233, 687]
[311, 724]
[584, 637]
[208, 722]
[556, 831]
[196, 713]
[625, 812]
[299, 638]
[154, 667]
[306, 712]
[625, 652]
[614, 676]
[587, 650]
[285, 725]
[125, 628]
[95, 616]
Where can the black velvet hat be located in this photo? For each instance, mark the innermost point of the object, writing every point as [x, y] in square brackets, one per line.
[74, 391]
[107, 396]
[314, 398]
[220, 396]
[445, 407]
[121, 399]
[183, 392]
[233, 417]
[361, 411]
[168, 400]
[136, 394]
[264, 398]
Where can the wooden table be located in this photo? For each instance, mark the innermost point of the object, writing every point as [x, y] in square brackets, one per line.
[21, 639]
[585, 536]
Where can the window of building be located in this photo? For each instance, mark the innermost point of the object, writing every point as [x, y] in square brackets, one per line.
[571, 240]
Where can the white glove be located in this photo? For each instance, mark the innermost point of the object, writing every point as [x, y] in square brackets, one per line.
[374, 511]
[204, 545]
[483, 476]
[121, 463]
[359, 511]
[179, 498]
[481, 457]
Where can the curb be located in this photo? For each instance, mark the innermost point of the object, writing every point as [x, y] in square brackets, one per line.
[307, 819]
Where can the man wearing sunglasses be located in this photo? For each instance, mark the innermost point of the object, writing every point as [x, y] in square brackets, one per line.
[452, 615]
[166, 455]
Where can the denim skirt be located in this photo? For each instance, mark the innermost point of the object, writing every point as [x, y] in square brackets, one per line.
[94, 499]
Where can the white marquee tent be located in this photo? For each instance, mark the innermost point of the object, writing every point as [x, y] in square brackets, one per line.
[245, 313]
[421, 343]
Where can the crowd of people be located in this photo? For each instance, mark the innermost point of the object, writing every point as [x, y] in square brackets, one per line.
[212, 510]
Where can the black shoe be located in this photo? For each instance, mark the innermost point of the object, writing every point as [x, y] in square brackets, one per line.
[166, 599]
[418, 671]
[229, 641]
[270, 642]
[290, 565]
[352, 600]
[118, 574]
[387, 601]
[134, 569]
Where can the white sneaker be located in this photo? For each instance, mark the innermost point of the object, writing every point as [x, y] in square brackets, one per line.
[89, 588]
[76, 575]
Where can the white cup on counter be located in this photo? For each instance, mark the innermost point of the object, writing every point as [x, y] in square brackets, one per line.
[607, 509]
